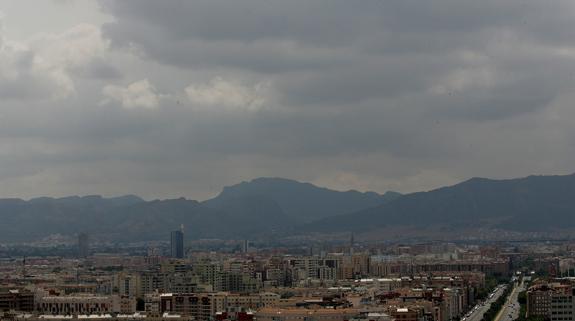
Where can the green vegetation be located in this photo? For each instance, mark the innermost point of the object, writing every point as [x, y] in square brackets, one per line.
[490, 284]
[497, 305]
[530, 265]
[287, 295]
[140, 304]
[522, 299]
[112, 268]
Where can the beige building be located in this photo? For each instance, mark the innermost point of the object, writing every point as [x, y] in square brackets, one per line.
[552, 301]
[204, 306]
[85, 304]
[297, 314]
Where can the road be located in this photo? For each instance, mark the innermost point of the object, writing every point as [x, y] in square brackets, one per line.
[477, 314]
[510, 310]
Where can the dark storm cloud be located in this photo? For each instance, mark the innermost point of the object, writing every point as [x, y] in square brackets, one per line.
[341, 52]
[373, 94]
[413, 82]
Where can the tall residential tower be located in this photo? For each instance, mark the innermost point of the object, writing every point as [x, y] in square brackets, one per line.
[177, 243]
[83, 245]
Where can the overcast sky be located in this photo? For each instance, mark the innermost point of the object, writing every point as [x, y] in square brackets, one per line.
[180, 98]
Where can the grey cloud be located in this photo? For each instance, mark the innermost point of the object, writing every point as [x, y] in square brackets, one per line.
[406, 80]
[99, 69]
[401, 94]
[247, 21]
[345, 51]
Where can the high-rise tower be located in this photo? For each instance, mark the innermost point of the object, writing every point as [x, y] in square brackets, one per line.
[83, 245]
[177, 243]
[351, 244]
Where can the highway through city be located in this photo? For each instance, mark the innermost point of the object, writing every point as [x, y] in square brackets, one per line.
[477, 312]
[510, 310]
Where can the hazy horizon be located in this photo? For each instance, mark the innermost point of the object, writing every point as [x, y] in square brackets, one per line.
[286, 178]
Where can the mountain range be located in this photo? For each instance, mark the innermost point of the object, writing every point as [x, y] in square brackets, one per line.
[300, 202]
[534, 203]
[261, 206]
[277, 206]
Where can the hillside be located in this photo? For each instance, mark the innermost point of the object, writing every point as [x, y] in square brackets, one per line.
[301, 202]
[272, 205]
[532, 203]
[261, 206]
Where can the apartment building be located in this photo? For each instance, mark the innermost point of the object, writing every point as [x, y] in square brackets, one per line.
[85, 304]
[552, 301]
[204, 306]
[299, 314]
[16, 300]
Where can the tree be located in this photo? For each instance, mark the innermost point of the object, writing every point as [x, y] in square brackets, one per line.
[140, 304]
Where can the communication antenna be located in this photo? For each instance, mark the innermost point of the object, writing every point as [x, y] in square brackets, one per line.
[24, 267]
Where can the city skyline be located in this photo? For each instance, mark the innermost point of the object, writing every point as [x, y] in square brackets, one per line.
[287, 160]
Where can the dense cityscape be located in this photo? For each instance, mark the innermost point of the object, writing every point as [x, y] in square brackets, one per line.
[433, 281]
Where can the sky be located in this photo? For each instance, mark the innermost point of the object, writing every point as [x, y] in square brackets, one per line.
[179, 98]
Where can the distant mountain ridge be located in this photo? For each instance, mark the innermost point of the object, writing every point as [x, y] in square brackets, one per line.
[39, 217]
[91, 199]
[532, 203]
[261, 206]
[301, 201]
[275, 206]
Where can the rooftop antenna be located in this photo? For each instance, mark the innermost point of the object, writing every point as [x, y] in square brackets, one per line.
[351, 242]
[24, 266]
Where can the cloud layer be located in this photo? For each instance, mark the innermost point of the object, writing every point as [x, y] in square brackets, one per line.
[174, 98]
